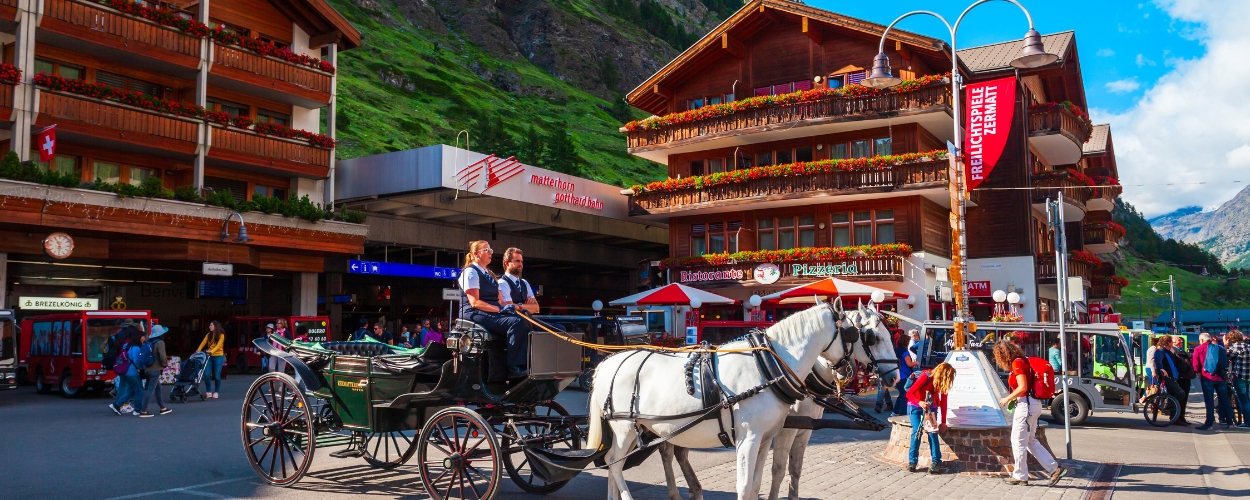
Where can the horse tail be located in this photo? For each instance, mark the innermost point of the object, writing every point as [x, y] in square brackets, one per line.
[598, 396]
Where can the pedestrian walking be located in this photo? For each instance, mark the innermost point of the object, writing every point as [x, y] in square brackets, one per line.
[276, 363]
[214, 346]
[159, 361]
[1167, 374]
[1025, 410]
[123, 386]
[130, 365]
[1239, 373]
[926, 408]
[1211, 364]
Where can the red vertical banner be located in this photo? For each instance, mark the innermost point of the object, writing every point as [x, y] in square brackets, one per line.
[45, 140]
[987, 122]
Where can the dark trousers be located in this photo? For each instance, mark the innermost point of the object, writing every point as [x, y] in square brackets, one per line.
[516, 329]
[900, 403]
[1210, 391]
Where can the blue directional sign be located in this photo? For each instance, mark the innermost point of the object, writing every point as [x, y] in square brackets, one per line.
[405, 270]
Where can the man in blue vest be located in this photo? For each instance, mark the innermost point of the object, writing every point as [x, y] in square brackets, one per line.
[516, 290]
[481, 302]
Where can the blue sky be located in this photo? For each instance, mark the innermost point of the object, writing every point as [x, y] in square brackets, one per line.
[1126, 44]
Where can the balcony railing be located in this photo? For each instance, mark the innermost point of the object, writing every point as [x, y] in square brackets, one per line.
[270, 67]
[272, 148]
[1104, 198]
[115, 117]
[9, 3]
[1100, 237]
[915, 175]
[1046, 269]
[101, 19]
[1048, 185]
[1058, 121]
[1105, 291]
[883, 268]
[828, 109]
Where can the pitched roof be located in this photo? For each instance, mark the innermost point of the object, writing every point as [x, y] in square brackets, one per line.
[323, 24]
[999, 56]
[1097, 143]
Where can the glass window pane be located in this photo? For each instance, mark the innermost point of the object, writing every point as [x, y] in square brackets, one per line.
[65, 164]
[765, 223]
[885, 214]
[863, 216]
[107, 172]
[70, 72]
[837, 151]
[714, 166]
[759, 91]
[785, 239]
[713, 100]
[279, 194]
[785, 222]
[716, 243]
[762, 159]
[841, 218]
[885, 233]
[802, 85]
[859, 149]
[807, 237]
[807, 220]
[696, 167]
[698, 246]
[696, 103]
[729, 97]
[863, 235]
[882, 147]
[836, 81]
[842, 236]
[733, 243]
[785, 156]
[781, 88]
[43, 66]
[766, 241]
[139, 175]
[803, 154]
[260, 191]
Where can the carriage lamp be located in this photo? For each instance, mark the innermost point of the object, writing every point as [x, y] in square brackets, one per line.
[1000, 296]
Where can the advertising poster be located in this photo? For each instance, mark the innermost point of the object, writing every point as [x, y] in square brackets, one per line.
[973, 400]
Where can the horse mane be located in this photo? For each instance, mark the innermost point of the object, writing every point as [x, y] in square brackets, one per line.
[808, 320]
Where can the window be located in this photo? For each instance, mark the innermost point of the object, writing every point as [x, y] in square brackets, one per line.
[139, 175]
[863, 227]
[782, 88]
[714, 166]
[861, 149]
[266, 116]
[763, 159]
[271, 192]
[882, 147]
[696, 167]
[233, 108]
[107, 172]
[785, 233]
[759, 91]
[885, 226]
[785, 156]
[731, 235]
[698, 239]
[237, 188]
[766, 239]
[837, 81]
[274, 41]
[126, 83]
[855, 78]
[744, 161]
[729, 97]
[696, 103]
[61, 163]
[803, 154]
[61, 69]
[807, 231]
[802, 85]
[841, 230]
[837, 151]
[714, 237]
[714, 100]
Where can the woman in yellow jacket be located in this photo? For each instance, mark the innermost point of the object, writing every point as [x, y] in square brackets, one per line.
[214, 346]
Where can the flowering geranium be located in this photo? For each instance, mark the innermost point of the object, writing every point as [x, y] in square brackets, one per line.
[804, 254]
[1069, 106]
[1080, 177]
[10, 74]
[1087, 257]
[1116, 280]
[1116, 228]
[1007, 317]
[264, 48]
[757, 102]
[785, 170]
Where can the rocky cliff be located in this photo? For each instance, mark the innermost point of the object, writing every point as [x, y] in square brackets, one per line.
[1224, 232]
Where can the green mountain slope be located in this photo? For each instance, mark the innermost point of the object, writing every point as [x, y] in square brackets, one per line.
[1196, 291]
[542, 79]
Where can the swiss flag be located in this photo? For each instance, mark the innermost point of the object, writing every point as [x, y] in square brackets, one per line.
[45, 140]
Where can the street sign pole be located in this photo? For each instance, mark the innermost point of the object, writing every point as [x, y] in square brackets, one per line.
[1054, 211]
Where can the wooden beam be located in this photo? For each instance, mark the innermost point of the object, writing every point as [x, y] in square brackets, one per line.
[732, 46]
[768, 14]
[812, 31]
[661, 91]
[327, 38]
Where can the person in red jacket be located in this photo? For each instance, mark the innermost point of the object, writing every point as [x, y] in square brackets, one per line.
[1009, 356]
[928, 394]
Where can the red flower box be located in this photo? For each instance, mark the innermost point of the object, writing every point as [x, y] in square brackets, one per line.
[785, 170]
[804, 254]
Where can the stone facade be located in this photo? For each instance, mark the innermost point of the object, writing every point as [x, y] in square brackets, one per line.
[964, 450]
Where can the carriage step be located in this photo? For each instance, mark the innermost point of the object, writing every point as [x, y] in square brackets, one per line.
[333, 439]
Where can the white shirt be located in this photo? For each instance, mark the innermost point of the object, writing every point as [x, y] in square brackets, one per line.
[505, 288]
[468, 279]
[1150, 358]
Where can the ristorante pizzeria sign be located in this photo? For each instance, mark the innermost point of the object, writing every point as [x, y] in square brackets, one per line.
[765, 273]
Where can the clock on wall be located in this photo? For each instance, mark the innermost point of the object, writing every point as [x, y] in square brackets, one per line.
[58, 245]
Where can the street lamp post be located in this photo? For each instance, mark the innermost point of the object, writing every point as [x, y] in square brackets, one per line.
[1171, 281]
[1033, 55]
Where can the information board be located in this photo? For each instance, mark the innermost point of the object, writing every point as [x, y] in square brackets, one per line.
[973, 400]
[397, 269]
[233, 288]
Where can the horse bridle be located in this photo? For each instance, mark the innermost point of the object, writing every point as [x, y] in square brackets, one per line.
[853, 334]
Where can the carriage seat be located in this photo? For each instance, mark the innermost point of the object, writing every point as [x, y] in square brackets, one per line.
[357, 348]
[464, 325]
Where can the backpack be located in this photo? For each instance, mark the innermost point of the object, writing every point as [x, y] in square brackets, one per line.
[1043, 375]
[1216, 361]
[911, 379]
[1184, 365]
[121, 362]
[145, 358]
[110, 355]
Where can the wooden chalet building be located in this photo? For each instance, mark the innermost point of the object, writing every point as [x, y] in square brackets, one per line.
[777, 157]
[194, 96]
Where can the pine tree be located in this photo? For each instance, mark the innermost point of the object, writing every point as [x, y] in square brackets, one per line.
[621, 109]
[532, 148]
[562, 152]
[493, 138]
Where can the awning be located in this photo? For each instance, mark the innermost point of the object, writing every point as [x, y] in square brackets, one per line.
[829, 287]
[674, 294]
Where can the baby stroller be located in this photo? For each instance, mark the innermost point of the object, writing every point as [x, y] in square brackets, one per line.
[188, 384]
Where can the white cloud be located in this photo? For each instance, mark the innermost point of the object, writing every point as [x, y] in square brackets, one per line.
[1190, 126]
[1143, 61]
[1123, 86]
[1104, 52]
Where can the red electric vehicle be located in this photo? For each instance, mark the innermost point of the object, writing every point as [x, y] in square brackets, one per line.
[65, 350]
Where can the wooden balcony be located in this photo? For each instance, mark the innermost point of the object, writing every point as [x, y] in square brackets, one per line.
[106, 123]
[1057, 135]
[1100, 237]
[1109, 292]
[244, 147]
[1075, 194]
[270, 77]
[104, 32]
[1046, 270]
[6, 101]
[931, 174]
[928, 106]
[1104, 198]
[8, 12]
[886, 268]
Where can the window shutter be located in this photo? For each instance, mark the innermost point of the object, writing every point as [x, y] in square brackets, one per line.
[698, 229]
[802, 85]
[147, 88]
[781, 89]
[735, 225]
[763, 91]
[111, 79]
[716, 227]
[854, 78]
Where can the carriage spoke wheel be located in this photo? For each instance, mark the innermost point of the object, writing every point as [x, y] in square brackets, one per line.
[387, 450]
[277, 427]
[458, 456]
[536, 433]
[1161, 410]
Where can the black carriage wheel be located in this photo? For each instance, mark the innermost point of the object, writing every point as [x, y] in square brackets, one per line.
[513, 446]
[387, 450]
[1161, 410]
[277, 428]
[458, 456]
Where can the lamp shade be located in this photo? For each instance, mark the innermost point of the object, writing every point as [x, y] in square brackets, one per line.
[1033, 55]
[877, 296]
[695, 303]
[999, 295]
[597, 305]
[755, 301]
[881, 77]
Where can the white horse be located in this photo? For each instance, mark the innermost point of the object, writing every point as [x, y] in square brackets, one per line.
[798, 341]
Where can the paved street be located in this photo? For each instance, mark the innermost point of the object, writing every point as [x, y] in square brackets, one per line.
[61, 448]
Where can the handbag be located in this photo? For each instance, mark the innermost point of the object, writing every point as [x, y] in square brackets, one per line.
[930, 422]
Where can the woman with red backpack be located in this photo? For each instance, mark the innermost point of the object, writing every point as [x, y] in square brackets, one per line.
[926, 406]
[1027, 408]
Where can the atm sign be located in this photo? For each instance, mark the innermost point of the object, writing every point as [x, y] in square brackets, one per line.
[979, 289]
